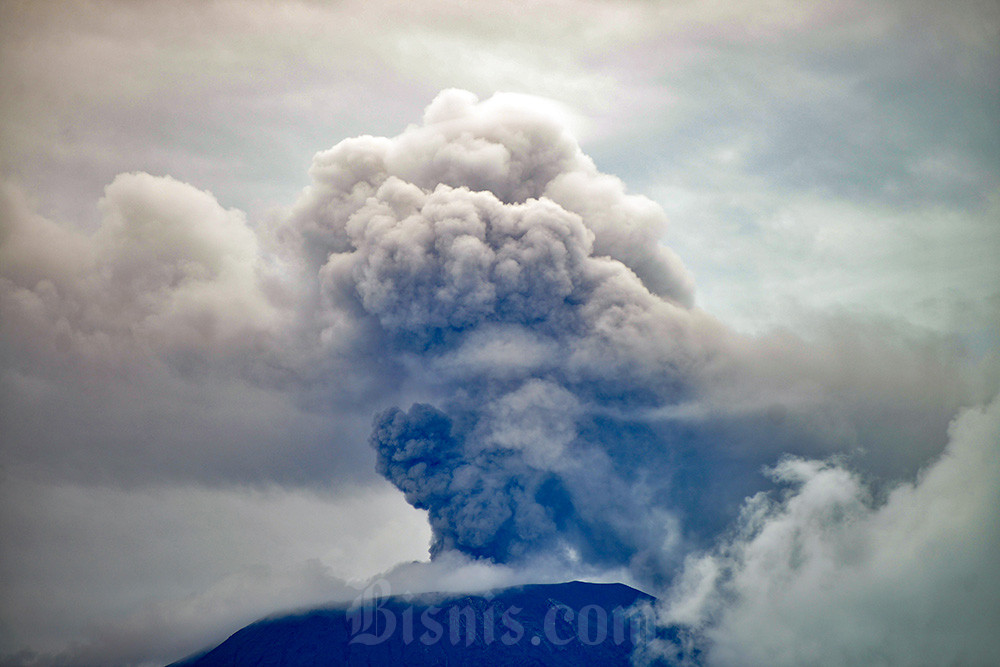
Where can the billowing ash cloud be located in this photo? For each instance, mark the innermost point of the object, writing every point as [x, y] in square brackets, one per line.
[573, 399]
[530, 290]
[488, 154]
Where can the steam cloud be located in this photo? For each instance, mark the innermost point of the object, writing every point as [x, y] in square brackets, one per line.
[827, 575]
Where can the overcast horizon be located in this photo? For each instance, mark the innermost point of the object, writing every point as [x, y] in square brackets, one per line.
[702, 298]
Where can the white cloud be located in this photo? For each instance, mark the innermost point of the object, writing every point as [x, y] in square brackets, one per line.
[127, 575]
[828, 575]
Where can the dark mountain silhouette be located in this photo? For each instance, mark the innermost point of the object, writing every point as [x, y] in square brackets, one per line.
[572, 623]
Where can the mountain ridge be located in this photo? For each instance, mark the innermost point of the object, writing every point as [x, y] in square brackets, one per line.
[570, 623]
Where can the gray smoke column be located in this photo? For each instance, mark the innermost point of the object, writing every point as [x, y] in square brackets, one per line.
[571, 398]
[530, 292]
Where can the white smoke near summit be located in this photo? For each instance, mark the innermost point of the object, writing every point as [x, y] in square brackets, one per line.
[827, 574]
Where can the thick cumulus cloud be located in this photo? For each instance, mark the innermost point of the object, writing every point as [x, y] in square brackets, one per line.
[827, 575]
[168, 266]
[127, 348]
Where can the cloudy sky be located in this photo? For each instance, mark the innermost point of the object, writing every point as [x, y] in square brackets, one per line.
[698, 296]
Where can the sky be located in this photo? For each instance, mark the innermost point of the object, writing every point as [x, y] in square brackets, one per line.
[698, 296]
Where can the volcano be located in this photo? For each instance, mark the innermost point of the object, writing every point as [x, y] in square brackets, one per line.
[573, 623]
